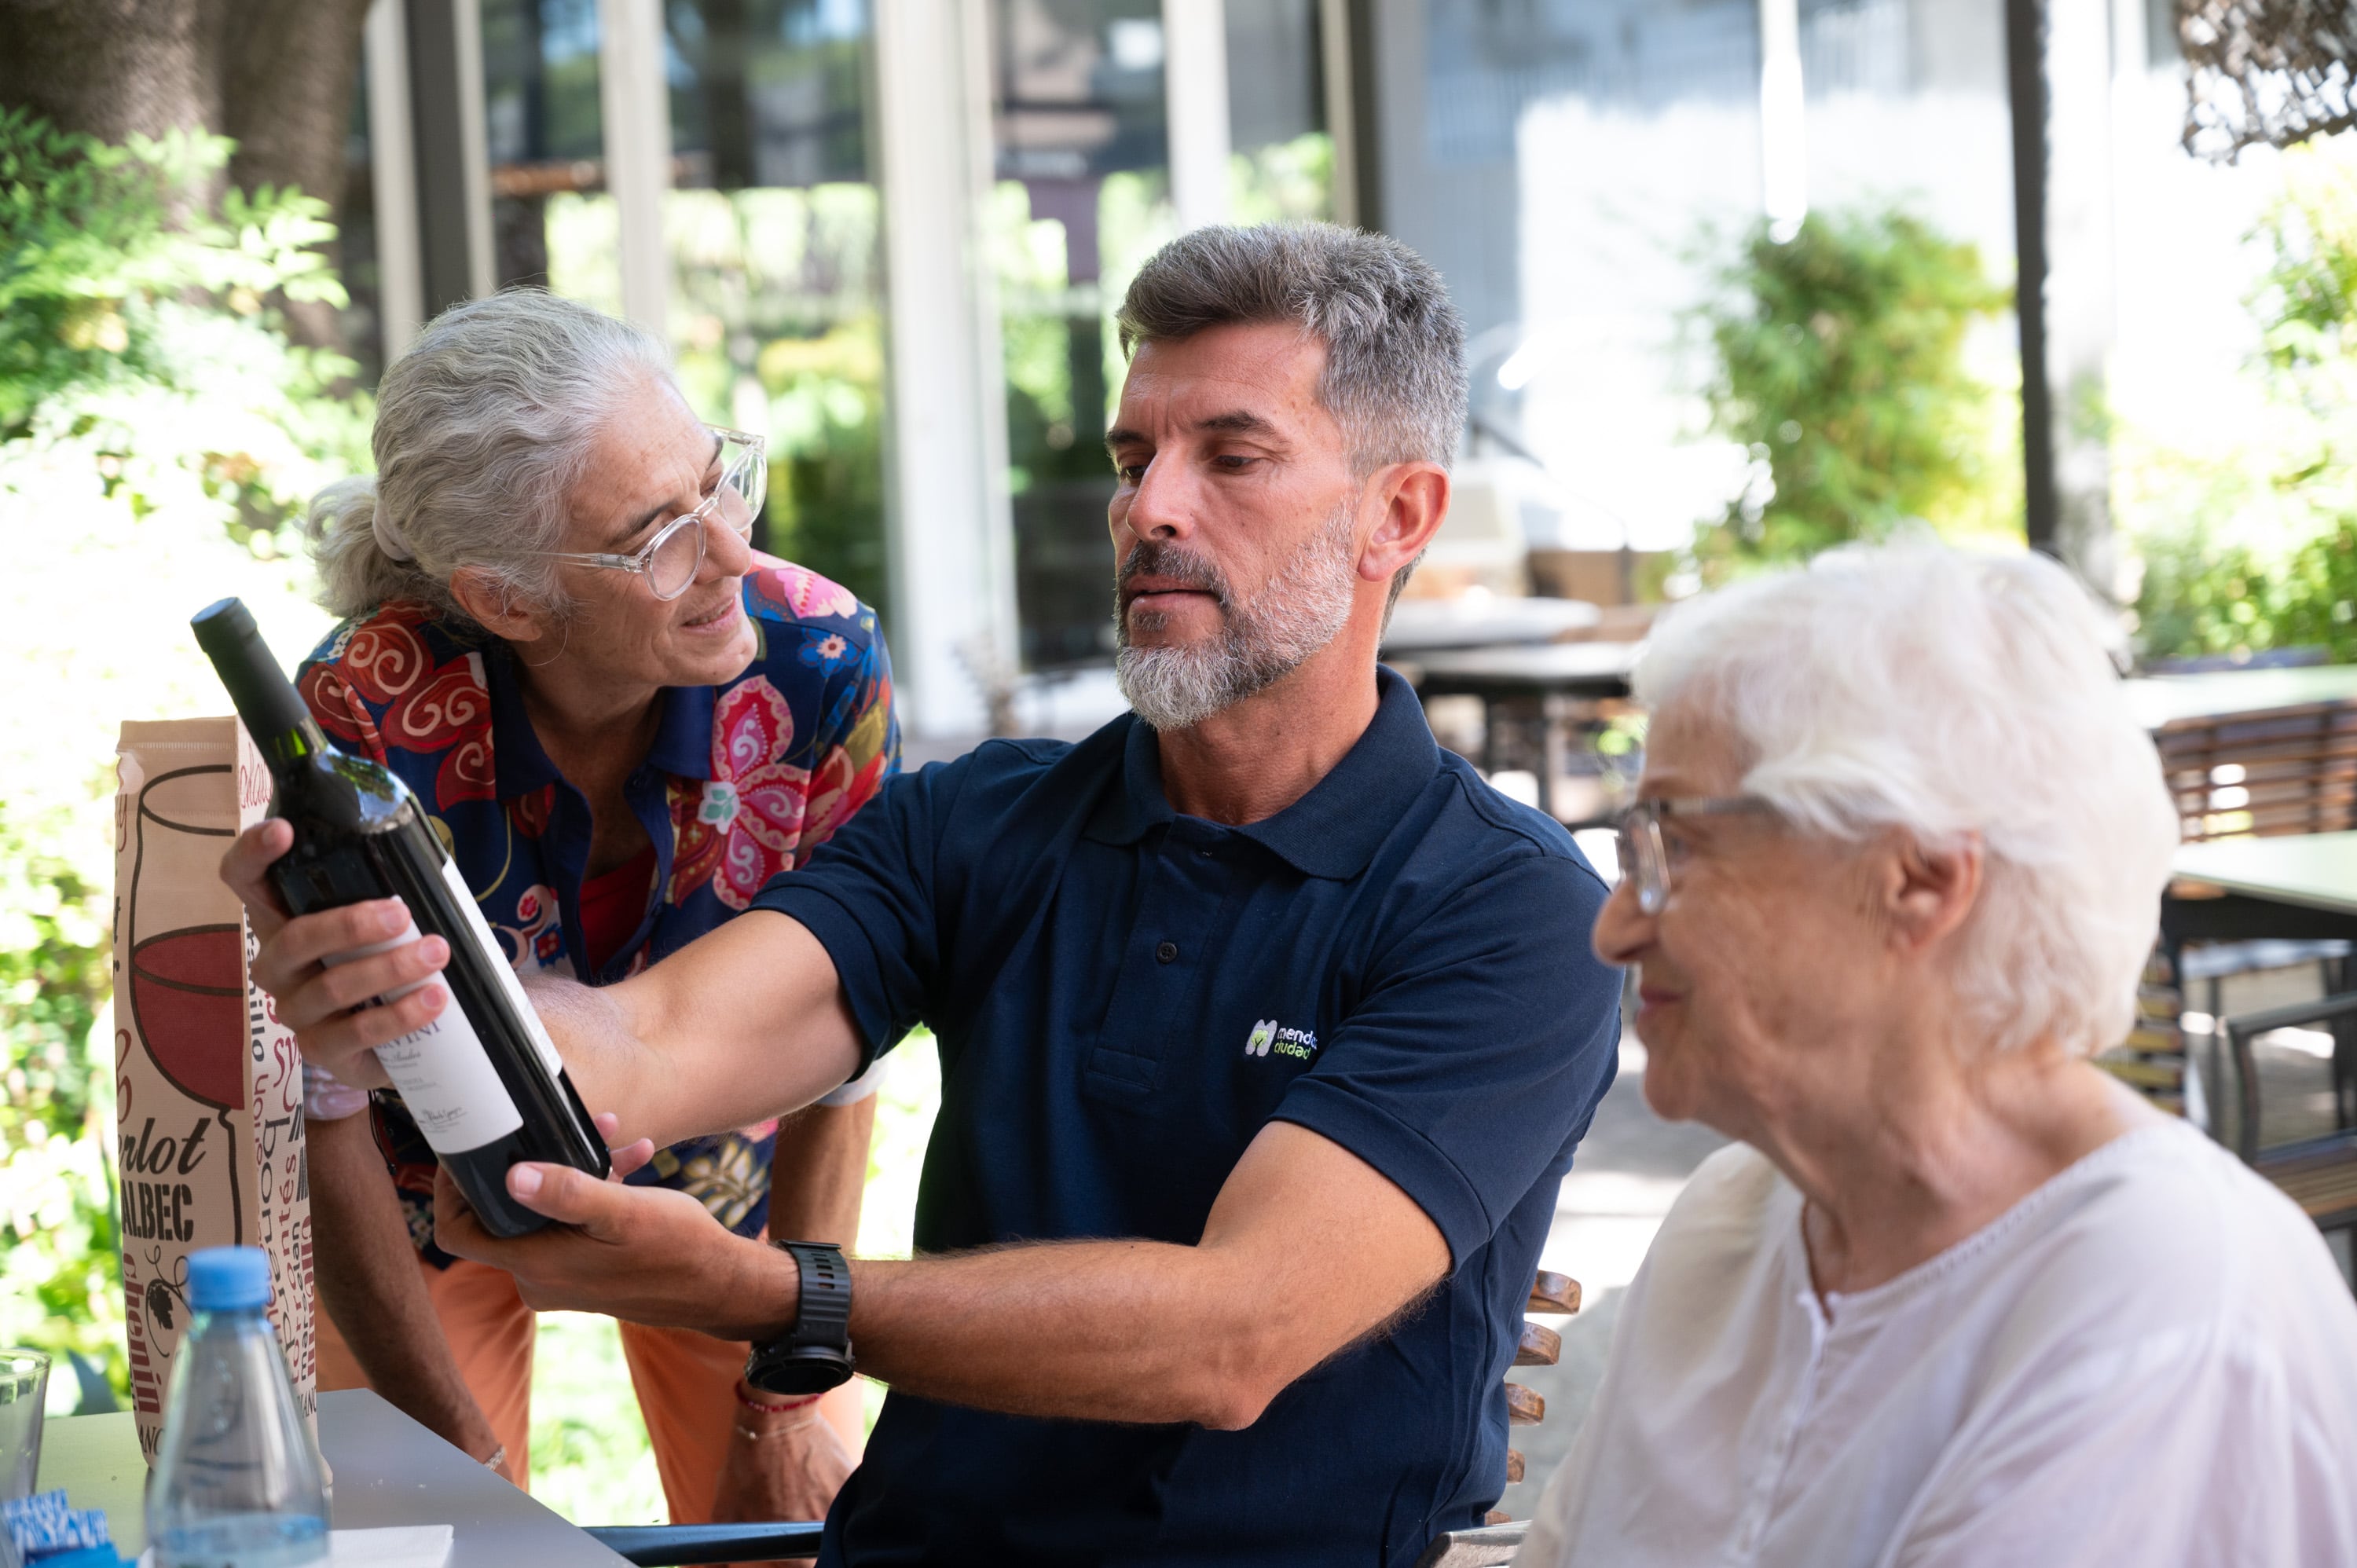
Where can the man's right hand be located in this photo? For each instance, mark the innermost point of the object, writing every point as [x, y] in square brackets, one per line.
[330, 1009]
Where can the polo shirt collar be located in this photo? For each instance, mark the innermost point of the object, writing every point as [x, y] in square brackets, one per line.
[1333, 831]
[682, 744]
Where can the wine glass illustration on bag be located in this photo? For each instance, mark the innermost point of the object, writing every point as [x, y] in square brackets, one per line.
[187, 1000]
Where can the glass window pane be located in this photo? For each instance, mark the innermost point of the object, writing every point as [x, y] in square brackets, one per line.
[773, 229]
[552, 223]
[1083, 196]
[1282, 165]
[1081, 149]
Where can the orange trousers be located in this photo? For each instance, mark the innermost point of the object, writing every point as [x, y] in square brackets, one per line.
[686, 1382]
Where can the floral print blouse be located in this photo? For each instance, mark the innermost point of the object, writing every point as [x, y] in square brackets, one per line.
[744, 781]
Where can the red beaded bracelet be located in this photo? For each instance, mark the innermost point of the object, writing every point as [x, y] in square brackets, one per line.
[760, 1408]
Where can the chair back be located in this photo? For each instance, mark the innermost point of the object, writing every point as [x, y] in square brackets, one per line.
[2281, 770]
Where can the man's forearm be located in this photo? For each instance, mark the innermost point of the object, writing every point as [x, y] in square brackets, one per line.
[368, 1280]
[691, 1046]
[1124, 1331]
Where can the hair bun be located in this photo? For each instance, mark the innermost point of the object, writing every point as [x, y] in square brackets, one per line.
[388, 538]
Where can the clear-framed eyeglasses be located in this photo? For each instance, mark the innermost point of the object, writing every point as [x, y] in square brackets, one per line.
[1645, 858]
[670, 561]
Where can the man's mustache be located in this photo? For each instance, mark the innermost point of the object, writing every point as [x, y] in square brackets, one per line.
[1151, 558]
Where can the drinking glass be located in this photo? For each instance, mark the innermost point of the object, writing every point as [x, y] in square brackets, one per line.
[24, 1392]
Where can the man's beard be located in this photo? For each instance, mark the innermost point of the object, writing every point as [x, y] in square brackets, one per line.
[1260, 640]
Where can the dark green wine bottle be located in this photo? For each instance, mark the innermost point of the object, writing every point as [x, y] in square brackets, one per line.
[482, 1080]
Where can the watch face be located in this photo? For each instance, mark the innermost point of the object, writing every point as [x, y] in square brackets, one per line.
[802, 1370]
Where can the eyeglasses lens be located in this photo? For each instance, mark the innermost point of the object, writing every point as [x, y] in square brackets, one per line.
[1642, 861]
[742, 488]
[676, 560]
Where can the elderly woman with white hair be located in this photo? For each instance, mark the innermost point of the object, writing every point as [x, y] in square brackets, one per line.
[1954, 1297]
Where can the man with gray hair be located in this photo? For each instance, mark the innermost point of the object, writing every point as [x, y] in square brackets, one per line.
[1267, 1028]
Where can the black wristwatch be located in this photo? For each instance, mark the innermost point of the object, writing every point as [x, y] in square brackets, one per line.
[815, 1355]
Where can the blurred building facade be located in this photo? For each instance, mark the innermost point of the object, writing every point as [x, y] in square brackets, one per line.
[889, 235]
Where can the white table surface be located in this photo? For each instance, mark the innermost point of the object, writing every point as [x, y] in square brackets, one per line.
[2317, 871]
[2164, 699]
[388, 1470]
[1420, 625]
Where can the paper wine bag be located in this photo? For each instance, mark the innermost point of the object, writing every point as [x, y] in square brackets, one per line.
[208, 1090]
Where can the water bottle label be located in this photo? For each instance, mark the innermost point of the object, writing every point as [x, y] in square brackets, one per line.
[496, 958]
[445, 1076]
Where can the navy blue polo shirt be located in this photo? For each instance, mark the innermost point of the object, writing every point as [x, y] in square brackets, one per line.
[1123, 998]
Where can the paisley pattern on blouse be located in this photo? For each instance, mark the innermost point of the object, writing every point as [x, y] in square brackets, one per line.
[745, 781]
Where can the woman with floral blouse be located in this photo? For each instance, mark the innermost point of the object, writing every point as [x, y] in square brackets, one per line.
[623, 721]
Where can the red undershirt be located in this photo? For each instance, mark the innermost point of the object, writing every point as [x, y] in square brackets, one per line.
[612, 905]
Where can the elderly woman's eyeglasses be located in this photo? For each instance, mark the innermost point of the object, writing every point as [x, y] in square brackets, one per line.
[1645, 859]
[670, 561]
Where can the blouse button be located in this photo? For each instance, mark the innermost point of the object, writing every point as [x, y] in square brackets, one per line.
[1166, 952]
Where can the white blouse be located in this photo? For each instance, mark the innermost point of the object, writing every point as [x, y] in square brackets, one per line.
[2150, 1360]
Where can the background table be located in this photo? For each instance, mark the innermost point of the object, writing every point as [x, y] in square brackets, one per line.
[2160, 700]
[1556, 676]
[388, 1471]
[2301, 886]
[1421, 625]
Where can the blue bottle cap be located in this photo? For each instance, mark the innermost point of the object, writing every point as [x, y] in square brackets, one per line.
[229, 1279]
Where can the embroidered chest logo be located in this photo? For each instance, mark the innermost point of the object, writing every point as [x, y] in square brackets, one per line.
[1267, 1036]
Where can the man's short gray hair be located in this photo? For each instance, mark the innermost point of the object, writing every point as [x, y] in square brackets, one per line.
[1394, 376]
[482, 428]
[1950, 695]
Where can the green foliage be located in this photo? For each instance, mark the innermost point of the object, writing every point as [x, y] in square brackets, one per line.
[826, 484]
[2201, 597]
[1838, 362]
[2259, 551]
[59, 1284]
[779, 292]
[159, 435]
[103, 247]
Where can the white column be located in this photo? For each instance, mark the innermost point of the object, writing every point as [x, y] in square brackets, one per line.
[1341, 106]
[2079, 288]
[636, 103]
[1783, 120]
[950, 531]
[1195, 106]
[393, 176]
[474, 138]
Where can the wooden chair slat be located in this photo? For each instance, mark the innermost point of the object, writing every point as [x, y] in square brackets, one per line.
[1513, 1465]
[1494, 1517]
[1541, 1347]
[2324, 1184]
[1524, 1407]
[1555, 1292]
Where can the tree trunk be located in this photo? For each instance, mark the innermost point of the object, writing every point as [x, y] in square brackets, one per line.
[111, 67]
[289, 68]
[277, 75]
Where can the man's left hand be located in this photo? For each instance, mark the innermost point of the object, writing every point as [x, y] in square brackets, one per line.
[648, 1254]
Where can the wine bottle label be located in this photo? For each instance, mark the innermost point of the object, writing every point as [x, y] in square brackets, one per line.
[496, 957]
[445, 1076]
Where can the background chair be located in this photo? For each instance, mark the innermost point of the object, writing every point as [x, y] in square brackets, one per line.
[2318, 1173]
[2262, 774]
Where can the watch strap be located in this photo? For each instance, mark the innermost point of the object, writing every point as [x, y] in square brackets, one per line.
[824, 1314]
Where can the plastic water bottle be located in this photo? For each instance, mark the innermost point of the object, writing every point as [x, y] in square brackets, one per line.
[237, 1481]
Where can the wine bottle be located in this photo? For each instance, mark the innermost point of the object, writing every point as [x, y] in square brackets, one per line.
[482, 1080]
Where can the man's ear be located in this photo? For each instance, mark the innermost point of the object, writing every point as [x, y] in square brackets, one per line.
[1931, 890]
[1415, 499]
[493, 606]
